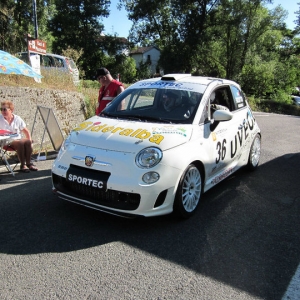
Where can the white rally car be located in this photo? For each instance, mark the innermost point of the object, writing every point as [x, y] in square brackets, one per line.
[158, 146]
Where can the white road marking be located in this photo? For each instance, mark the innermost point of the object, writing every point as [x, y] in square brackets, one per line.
[293, 290]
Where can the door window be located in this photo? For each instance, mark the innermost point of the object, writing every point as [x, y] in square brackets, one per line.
[238, 97]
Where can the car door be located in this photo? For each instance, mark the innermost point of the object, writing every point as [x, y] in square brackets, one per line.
[227, 137]
[245, 127]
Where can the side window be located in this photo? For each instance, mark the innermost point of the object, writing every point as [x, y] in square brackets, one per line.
[238, 97]
[47, 62]
[221, 99]
[58, 62]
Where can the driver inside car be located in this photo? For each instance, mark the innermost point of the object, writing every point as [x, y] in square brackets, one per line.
[179, 106]
[169, 101]
[214, 103]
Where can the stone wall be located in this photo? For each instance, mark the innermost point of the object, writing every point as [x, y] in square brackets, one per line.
[68, 108]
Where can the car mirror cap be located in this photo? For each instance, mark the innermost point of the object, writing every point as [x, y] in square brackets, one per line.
[222, 115]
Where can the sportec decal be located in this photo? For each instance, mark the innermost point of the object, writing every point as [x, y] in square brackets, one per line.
[86, 181]
[128, 132]
[88, 177]
[161, 84]
[173, 85]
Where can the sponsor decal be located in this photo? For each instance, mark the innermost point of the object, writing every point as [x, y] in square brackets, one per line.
[173, 85]
[222, 176]
[62, 167]
[88, 177]
[240, 141]
[86, 181]
[221, 131]
[169, 130]
[140, 133]
[214, 136]
[242, 135]
[162, 84]
[239, 99]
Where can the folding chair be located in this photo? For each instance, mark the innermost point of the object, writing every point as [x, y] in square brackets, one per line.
[7, 152]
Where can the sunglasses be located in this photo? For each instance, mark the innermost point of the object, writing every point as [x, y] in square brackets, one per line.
[100, 77]
[4, 108]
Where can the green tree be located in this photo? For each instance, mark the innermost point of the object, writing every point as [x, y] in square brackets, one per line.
[121, 65]
[16, 21]
[239, 28]
[76, 24]
[177, 27]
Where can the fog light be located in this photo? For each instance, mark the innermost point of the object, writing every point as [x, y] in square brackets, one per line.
[150, 177]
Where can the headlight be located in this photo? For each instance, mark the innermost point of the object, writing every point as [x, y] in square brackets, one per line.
[65, 144]
[148, 157]
[150, 177]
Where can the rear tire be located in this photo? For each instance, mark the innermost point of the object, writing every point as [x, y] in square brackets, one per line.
[254, 154]
[188, 192]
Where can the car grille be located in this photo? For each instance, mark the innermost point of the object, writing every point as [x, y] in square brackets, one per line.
[108, 198]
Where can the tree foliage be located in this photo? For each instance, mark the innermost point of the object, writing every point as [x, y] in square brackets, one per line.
[76, 24]
[236, 39]
[16, 21]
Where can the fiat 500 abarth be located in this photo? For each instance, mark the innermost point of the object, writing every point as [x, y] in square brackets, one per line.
[158, 146]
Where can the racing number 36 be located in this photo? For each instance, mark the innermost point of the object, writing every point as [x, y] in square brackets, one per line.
[221, 150]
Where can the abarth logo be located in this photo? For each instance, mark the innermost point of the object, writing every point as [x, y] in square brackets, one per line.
[89, 160]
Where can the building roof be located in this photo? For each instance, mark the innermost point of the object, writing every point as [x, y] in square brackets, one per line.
[141, 50]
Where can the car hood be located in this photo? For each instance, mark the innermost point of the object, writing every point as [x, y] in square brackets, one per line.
[129, 136]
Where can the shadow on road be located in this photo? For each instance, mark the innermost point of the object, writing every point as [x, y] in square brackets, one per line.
[246, 233]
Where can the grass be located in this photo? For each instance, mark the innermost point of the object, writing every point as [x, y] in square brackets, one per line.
[272, 106]
[49, 81]
[57, 81]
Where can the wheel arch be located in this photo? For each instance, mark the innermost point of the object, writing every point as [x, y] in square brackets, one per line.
[200, 167]
[178, 208]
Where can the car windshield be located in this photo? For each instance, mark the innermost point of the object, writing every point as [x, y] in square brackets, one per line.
[155, 105]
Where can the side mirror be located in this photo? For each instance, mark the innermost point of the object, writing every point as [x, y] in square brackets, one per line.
[220, 116]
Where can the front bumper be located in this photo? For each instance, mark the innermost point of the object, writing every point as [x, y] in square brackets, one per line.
[125, 194]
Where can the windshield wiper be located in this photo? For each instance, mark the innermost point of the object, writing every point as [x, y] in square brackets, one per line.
[156, 119]
[107, 114]
[136, 117]
[147, 118]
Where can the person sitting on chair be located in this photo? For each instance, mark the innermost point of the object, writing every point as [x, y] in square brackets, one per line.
[15, 124]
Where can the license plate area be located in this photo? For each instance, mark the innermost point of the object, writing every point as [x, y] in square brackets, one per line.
[88, 177]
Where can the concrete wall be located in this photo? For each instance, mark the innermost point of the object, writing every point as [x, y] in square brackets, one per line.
[68, 108]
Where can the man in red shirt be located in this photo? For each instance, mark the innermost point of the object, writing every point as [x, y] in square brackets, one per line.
[110, 88]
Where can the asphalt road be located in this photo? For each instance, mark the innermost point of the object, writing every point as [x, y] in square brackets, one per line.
[242, 243]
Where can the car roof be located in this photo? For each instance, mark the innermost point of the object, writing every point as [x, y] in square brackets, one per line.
[179, 77]
[54, 55]
[58, 56]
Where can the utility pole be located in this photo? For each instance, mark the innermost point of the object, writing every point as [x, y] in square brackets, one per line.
[35, 20]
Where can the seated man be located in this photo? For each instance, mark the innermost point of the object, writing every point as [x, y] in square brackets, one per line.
[215, 104]
[178, 106]
[169, 101]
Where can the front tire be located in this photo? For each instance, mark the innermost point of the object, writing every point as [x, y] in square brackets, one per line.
[188, 192]
[254, 154]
